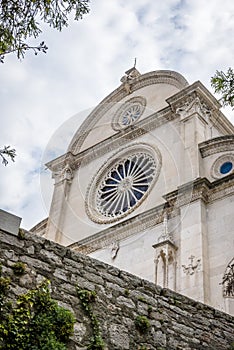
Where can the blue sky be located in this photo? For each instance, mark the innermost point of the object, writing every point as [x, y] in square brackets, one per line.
[44, 94]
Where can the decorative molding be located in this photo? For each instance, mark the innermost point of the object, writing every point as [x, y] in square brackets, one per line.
[112, 143]
[201, 189]
[123, 230]
[217, 145]
[208, 102]
[221, 188]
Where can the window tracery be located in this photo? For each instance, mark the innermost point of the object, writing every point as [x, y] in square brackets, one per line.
[122, 184]
[129, 113]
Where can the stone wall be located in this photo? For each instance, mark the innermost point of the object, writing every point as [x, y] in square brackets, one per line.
[176, 322]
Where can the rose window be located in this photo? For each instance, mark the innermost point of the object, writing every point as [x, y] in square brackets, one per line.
[131, 115]
[125, 185]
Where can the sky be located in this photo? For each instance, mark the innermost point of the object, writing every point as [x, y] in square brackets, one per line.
[45, 98]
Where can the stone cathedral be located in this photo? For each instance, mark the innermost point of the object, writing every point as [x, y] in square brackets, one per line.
[147, 185]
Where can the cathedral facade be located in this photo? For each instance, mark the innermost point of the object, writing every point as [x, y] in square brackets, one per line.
[147, 185]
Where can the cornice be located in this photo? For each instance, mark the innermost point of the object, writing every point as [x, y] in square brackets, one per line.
[200, 189]
[112, 143]
[217, 145]
[209, 102]
[40, 228]
[123, 230]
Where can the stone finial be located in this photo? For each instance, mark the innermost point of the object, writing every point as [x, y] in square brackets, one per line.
[165, 236]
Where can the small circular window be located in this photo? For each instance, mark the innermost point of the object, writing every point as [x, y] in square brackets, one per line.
[226, 167]
[122, 185]
[223, 166]
[129, 113]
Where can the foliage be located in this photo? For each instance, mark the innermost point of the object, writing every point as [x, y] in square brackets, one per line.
[19, 268]
[20, 20]
[142, 324]
[36, 321]
[5, 152]
[86, 298]
[21, 233]
[223, 83]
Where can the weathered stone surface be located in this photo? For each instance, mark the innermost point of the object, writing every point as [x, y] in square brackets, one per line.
[119, 336]
[176, 322]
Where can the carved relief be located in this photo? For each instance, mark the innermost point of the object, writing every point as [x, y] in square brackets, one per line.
[192, 267]
[65, 174]
[114, 249]
[195, 106]
[228, 281]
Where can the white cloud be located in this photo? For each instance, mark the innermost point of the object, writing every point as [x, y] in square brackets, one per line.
[85, 62]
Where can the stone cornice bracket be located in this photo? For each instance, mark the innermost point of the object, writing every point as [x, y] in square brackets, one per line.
[217, 145]
[190, 192]
[192, 267]
[129, 79]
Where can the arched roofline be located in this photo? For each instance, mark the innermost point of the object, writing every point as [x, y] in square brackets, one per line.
[156, 77]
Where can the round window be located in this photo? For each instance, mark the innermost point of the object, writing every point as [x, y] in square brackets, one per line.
[223, 166]
[129, 113]
[226, 167]
[122, 185]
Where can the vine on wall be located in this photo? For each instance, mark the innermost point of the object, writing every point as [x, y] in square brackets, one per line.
[86, 298]
[35, 321]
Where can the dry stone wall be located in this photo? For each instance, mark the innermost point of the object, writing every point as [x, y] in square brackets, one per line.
[176, 322]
